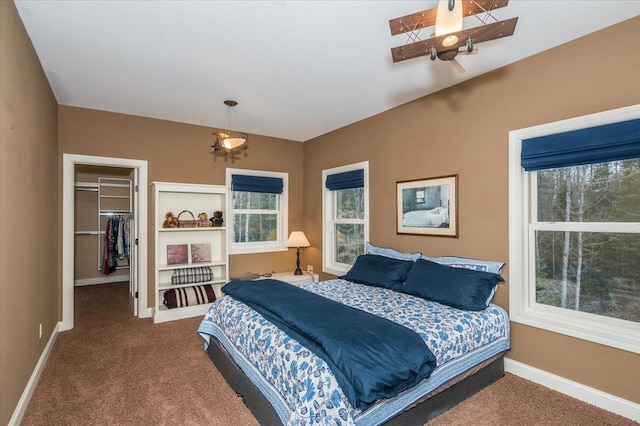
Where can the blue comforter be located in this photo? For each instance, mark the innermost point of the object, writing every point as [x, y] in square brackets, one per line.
[372, 358]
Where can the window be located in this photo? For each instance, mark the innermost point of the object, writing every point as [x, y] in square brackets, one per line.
[345, 216]
[574, 237]
[258, 205]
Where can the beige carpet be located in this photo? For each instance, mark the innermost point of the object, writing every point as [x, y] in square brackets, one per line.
[115, 369]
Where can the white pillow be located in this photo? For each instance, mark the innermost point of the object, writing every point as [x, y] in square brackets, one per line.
[391, 253]
[468, 263]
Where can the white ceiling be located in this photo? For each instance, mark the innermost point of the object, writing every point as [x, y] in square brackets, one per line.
[298, 69]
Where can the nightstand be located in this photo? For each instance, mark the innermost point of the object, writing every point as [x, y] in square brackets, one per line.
[305, 278]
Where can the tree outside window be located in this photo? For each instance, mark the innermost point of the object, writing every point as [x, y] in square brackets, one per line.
[574, 227]
[344, 216]
[589, 266]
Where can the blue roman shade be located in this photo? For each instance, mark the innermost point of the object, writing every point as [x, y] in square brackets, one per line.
[609, 142]
[263, 184]
[346, 180]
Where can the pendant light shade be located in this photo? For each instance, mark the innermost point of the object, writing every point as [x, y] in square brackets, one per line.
[227, 144]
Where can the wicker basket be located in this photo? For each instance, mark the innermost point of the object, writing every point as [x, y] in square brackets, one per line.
[186, 223]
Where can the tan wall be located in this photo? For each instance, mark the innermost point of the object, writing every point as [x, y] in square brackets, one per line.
[28, 210]
[464, 130]
[179, 152]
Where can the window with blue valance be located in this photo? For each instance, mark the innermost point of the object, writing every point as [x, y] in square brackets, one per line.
[269, 185]
[346, 180]
[609, 142]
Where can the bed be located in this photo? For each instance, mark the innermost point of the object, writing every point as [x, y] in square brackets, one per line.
[283, 382]
[432, 218]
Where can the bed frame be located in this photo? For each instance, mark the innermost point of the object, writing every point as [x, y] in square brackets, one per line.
[437, 402]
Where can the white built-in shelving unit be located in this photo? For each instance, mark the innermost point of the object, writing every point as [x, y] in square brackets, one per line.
[196, 198]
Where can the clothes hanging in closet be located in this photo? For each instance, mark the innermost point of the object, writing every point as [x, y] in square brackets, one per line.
[116, 240]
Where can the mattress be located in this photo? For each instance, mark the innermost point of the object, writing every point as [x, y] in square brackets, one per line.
[300, 386]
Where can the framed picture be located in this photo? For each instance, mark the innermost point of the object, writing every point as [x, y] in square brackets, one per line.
[428, 206]
[177, 254]
[201, 253]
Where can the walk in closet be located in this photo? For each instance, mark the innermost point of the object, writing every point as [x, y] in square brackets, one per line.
[103, 213]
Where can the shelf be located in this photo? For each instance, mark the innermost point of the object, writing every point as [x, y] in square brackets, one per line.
[163, 314]
[116, 185]
[168, 286]
[89, 233]
[93, 186]
[86, 186]
[195, 228]
[165, 267]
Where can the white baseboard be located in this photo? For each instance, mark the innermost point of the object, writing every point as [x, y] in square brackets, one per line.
[18, 413]
[576, 390]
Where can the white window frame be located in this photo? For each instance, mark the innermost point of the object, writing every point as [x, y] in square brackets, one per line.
[283, 215]
[329, 265]
[523, 224]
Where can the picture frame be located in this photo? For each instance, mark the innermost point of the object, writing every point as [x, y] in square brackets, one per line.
[177, 254]
[428, 206]
[201, 253]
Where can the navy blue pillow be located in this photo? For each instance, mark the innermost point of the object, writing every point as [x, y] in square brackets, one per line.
[457, 287]
[379, 271]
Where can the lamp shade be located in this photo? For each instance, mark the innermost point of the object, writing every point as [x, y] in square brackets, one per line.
[233, 143]
[298, 239]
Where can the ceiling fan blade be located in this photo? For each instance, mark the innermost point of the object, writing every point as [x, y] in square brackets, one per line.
[457, 66]
[477, 34]
[474, 7]
[427, 18]
[493, 31]
[413, 22]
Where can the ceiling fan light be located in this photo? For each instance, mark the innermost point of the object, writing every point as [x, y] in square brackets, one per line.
[450, 41]
[446, 21]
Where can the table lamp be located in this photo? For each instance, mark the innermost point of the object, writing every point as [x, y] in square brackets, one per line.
[298, 239]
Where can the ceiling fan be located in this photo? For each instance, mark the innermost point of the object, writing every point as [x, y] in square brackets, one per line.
[449, 39]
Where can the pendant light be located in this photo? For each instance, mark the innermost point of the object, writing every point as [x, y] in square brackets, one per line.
[226, 143]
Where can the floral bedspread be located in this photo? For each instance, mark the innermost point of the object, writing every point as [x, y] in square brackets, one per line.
[300, 385]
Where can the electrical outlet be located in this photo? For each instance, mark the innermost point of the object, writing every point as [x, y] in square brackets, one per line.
[40, 332]
[310, 269]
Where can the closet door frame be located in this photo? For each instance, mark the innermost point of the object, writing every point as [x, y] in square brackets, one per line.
[69, 161]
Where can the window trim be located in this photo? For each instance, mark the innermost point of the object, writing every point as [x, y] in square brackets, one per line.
[283, 217]
[612, 332]
[329, 266]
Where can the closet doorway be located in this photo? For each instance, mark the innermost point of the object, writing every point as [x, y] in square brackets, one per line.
[98, 194]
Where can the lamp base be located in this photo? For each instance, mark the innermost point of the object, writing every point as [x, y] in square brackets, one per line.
[298, 271]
